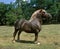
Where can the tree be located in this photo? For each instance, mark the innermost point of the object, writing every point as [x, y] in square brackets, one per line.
[3, 10]
[24, 9]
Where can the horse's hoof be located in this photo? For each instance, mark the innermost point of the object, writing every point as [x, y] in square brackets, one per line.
[13, 41]
[37, 43]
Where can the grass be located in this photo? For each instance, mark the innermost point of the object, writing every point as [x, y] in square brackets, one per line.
[49, 37]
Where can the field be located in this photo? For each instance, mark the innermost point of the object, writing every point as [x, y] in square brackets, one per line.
[49, 37]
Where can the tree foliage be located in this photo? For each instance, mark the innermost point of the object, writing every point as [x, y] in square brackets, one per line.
[24, 9]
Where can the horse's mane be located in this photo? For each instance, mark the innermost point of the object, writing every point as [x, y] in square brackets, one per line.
[36, 12]
[34, 15]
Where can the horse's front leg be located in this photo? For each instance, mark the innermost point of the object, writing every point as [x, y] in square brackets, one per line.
[36, 37]
[18, 38]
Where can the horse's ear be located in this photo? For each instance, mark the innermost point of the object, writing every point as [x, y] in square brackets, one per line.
[40, 10]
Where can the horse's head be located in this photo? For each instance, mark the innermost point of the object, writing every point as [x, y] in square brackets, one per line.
[45, 14]
[41, 14]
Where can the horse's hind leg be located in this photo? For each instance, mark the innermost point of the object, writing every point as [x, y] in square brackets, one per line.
[18, 38]
[14, 34]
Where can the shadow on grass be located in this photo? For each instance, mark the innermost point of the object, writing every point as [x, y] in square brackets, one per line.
[24, 41]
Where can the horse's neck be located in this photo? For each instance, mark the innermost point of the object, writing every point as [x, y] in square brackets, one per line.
[31, 19]
[34, 15]
[38, 17]
[35, 19]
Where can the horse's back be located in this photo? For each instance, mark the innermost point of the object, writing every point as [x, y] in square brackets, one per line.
[18, 23]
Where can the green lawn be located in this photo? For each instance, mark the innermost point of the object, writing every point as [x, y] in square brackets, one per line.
[49, 37]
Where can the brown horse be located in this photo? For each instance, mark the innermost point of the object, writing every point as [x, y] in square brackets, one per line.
[31, 26]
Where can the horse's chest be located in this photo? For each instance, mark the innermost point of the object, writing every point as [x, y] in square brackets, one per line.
[36, 24]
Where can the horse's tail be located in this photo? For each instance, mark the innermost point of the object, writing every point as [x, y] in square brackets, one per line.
[16, 24]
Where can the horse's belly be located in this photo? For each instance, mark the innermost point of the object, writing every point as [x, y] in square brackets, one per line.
[29, 31]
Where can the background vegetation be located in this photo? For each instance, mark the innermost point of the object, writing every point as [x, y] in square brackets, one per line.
[24, 9]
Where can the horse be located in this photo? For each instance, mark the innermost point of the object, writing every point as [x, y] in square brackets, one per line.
[33, 25]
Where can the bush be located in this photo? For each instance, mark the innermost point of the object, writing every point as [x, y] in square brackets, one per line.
[10, 18]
